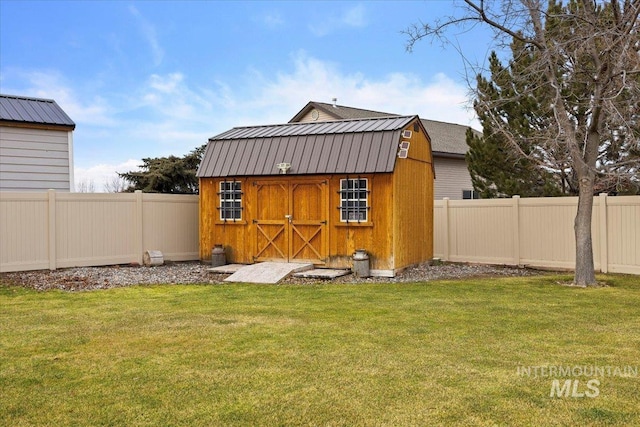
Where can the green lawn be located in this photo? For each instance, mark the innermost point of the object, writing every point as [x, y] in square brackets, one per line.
[437, 353]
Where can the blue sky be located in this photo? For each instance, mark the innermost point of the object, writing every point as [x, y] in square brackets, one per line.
[154, 78]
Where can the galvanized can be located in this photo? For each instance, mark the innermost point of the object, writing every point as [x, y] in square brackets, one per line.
[361, 263]
[218, 256]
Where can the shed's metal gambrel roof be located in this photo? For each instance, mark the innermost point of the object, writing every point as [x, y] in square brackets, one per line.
[341, 146]
[23, 109]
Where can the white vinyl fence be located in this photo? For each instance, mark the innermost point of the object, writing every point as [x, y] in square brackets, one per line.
[55, 230]
[537, 232]
[49, 230]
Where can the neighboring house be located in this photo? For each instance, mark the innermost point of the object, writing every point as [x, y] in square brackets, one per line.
[448, 141]
[36, 145]
[316, 192]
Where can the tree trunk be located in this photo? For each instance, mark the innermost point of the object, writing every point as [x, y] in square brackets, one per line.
[584, 274]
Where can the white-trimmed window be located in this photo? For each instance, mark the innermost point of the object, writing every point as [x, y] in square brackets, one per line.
[354, 200]
[230, 200]
[470, 194]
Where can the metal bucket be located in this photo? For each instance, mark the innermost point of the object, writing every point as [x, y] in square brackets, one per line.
[361, 263]
[218, 256]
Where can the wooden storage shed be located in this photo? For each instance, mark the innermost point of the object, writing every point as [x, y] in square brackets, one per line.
[316, 192]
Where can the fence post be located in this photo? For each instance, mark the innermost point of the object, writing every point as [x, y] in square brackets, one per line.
[604, 235]
[52, 229]
[445, 214]
[516, 230]
[139, 244]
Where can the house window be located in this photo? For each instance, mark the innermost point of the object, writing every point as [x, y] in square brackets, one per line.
[230, 200]
[470, 194]
[354, 198]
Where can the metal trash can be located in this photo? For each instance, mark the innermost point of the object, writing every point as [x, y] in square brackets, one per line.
[218, 256]
[361, 263]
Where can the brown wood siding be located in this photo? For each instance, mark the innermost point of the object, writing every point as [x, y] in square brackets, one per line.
[398, 231]
[214, 231]
[375, 236]
[336, 242]
[413, 204]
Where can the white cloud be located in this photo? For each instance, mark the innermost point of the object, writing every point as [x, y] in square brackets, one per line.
[439, 98]
[168, 114]
[49, 84]
[101, 175]
[166, 84]
[271, 20]
[149, 33]
[353, 17]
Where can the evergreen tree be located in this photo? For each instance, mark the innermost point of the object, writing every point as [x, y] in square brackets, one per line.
[170, 174]
[496, 169]
[523, 162]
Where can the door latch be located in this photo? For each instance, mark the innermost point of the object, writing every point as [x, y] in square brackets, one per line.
[289, 217]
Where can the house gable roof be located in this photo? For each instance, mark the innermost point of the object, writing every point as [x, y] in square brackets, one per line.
[338, 112]
[342, 146]
[37, 111]
[447, 139]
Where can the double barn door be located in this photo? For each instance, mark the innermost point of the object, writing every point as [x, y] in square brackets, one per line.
[291, 220]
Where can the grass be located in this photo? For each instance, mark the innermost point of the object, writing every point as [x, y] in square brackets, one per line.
[437, 353]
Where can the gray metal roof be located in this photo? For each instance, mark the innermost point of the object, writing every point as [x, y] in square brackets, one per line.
[446, 138]
[33, 110]
[341, 146]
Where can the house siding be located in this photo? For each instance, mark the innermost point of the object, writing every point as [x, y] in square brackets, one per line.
[322, 117]
[452, 176]
[35, 159]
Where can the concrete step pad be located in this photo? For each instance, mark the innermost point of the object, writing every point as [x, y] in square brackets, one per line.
[226, 269]
[267, 272]
[322, 273]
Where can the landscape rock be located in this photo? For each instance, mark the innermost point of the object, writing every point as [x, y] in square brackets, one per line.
[93, 278]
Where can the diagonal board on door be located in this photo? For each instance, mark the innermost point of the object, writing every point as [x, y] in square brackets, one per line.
[291, 220]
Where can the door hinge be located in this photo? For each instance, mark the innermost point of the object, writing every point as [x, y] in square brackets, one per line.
[255, 221]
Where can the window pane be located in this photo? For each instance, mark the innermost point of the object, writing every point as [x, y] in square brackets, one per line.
[230, 200]
[353, 200]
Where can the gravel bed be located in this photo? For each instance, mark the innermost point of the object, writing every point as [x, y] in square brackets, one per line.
[92, 278]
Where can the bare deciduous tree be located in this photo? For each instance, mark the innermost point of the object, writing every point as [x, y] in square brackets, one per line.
[86, 186]
[584, 63]
[115, 184]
